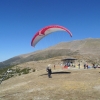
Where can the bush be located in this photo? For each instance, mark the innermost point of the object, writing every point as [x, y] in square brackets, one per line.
[25, 70]
[33, 70]
[18, 70]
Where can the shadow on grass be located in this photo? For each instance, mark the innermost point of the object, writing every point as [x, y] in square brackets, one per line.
[57, 73]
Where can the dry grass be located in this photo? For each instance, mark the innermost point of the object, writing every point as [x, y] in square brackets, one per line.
[70, 84]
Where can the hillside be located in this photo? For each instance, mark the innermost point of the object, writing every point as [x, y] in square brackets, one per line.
[87, 49]
[71, 84]
[66, 84]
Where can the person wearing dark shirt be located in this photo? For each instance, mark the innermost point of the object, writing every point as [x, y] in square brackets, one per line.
[49, 72]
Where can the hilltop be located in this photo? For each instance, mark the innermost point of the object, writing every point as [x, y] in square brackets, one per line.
[87, 49]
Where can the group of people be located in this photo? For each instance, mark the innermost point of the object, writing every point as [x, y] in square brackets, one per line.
[48, 69]
[95, 66]
[85, 66]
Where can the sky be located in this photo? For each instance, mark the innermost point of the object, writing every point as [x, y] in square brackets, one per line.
[21, 19]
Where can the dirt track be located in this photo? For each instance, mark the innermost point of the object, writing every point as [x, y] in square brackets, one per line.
[70, 84]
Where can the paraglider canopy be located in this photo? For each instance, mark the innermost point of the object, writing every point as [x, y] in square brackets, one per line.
[47, 30]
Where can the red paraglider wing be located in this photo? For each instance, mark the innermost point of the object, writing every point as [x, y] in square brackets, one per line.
[47, 30]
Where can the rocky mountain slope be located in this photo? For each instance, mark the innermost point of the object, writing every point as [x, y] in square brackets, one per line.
[88, 49]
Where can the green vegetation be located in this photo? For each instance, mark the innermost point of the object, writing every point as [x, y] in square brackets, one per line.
[3, 70]
[15, 72]
[25, 70]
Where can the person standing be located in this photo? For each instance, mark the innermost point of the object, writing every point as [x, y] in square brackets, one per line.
[54, 66]
[79, 66]
[49, 72]
[84, 66]
[87, 66]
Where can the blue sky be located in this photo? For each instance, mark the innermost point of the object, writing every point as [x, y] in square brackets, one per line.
[21, 19]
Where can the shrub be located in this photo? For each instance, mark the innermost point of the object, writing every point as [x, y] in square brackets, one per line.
[33, 70]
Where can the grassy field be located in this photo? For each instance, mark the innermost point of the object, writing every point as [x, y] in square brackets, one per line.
[69, 84]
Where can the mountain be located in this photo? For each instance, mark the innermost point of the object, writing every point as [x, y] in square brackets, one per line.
[88, 49]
